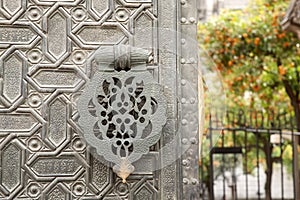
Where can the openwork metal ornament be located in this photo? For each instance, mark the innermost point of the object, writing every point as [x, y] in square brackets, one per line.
[122, 109]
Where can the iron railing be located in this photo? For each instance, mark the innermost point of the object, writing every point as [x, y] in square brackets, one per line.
[242, 147]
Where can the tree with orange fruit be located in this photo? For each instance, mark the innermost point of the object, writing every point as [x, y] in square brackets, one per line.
[260, 63]
[256, 57]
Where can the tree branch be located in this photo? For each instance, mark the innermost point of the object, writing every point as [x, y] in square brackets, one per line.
[289, 91]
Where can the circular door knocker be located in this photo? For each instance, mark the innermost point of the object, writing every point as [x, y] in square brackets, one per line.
[122, 110]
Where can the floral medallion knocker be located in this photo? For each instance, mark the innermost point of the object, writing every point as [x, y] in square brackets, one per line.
[122, 109]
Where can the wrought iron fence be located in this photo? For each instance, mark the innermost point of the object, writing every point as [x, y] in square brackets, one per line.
[250, 155]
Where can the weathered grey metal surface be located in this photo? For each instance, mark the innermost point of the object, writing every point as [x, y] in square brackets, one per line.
[45, 51]
[122, 109]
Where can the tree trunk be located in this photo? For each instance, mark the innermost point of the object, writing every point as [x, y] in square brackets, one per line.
[269, 161]
[294, 97]
[295, 151]
[295, 104]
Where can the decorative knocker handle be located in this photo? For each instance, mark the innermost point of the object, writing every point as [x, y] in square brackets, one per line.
[122, 109]
[121, 57]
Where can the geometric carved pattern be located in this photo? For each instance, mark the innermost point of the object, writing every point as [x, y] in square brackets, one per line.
[12, 78]
[12, 86]
[57, 34]
[98, 35]
[57, 193]
[11, 167]
[12, 8]
[99, 174]
[44, 50]
[57, 130]
[56, 166]
[144, 193]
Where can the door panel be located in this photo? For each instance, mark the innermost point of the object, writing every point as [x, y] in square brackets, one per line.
[47, 55]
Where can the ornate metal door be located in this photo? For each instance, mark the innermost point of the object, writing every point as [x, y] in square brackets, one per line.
[95, 90]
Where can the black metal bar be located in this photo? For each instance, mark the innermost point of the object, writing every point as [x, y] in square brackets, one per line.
[223, 171]
[246, 160]
[257, 159]
[272, 131]
[268, 154]
[293, 166]
[281, 165]
[227, 150]
[211, 171]
[234, 185]
[260, 123]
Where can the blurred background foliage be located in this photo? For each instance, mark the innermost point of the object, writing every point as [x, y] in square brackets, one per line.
[259, 62]
[260, 67]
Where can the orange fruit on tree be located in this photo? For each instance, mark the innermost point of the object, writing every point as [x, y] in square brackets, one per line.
[206, 40]
[286, 44]
[256, 88]
[282, 70]
[256, 41]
